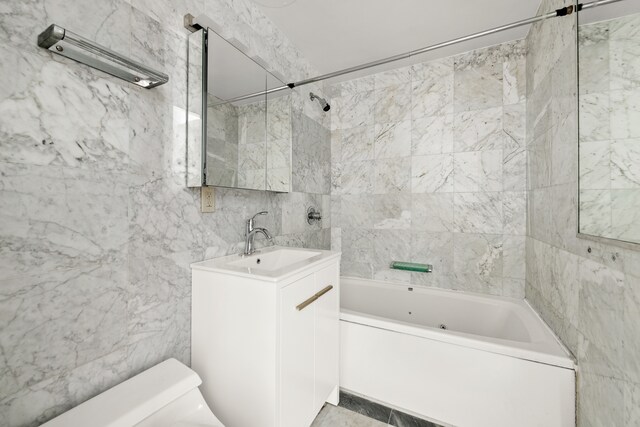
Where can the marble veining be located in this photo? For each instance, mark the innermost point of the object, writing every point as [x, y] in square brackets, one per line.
[429, 154]
[609, 135]
[356, 411]
[98, 227]
[586, 291]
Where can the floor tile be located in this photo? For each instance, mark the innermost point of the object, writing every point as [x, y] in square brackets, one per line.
[400, 419]
[335, 416]
[365, 407]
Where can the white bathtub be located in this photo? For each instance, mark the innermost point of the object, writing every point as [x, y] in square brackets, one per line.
[496, 364]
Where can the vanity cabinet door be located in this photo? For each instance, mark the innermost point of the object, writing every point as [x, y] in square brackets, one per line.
[297, 354]
[327, 335]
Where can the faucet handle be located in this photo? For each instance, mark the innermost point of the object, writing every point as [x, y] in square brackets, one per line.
[259, 213]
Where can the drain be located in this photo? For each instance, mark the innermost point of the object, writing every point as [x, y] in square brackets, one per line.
[258, 261]
[442, 326]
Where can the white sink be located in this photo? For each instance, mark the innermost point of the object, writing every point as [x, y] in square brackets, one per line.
[274, 260]
[272, 264]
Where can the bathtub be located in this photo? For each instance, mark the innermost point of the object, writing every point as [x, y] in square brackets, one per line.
[455, 358]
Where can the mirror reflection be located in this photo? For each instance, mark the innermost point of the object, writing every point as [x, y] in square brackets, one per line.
[609, 131]
[248, 141]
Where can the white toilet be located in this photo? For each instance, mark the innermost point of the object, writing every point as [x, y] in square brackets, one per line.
[162, 396]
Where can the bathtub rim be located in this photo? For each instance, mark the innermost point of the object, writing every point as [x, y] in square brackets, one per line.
[489, 344]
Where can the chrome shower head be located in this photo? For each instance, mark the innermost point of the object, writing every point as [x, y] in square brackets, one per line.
[323, 102]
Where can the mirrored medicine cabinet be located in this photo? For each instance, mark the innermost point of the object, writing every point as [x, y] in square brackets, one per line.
[235, 140]
[609, 122]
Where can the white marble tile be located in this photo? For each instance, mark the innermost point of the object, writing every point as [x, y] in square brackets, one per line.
[514, 156]
[432, 70]
[478, 213]
[514, 206]
[66, 117]
[631, 404]
[435, 249]
[357, 244]
[478, 262]
[478, 87]
[625, 66]
[432, 135]
[356, 212]
[625, 205]
[336, 239]
[101, 204]
[595, 212]
[513, 251]
[513, 288]
[397, 76]
[477, 171]
[478, 130]
[625, 114]
[392, 175]
[595, 165]
[432, 174]
[38, 403]
[358, 144]
[594, 64]
[601, 319]
[388, 246]
[432, 212]
[392, 211]
[625, 164]
[80, 314]
[336, 146]
[352, 110]
[392, 104]
[432, 94]
[595, 113]
[60, 219]
[393, 140]
[631, 345]
[601, 401]
[514, 84]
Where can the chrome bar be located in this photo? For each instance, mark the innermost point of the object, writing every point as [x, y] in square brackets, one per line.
[556, 13]
[66, 43]
[311, 300]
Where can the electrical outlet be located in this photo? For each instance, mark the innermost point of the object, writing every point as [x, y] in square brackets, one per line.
[207, 200]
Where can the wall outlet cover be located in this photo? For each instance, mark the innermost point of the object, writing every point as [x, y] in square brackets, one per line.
[207, 200]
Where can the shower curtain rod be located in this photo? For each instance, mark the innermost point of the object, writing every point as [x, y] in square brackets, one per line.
[568, 10]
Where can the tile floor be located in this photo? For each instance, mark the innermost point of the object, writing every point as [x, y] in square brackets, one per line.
[355, 411]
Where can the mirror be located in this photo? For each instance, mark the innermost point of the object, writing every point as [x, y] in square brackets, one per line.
[609, 121]
[245, 141]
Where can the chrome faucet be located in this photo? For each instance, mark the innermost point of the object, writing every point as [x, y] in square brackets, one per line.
[250, 233]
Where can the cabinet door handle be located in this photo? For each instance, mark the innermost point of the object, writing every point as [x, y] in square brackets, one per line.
[309, 301]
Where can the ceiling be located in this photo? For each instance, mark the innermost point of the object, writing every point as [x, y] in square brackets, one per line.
[337, 34]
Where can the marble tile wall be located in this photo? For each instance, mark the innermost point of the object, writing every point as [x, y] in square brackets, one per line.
[222, 144]
[97, 227]
[586, 291]
[429, 165]
[609, 76]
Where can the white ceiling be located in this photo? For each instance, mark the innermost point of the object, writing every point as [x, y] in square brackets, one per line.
[336, 34]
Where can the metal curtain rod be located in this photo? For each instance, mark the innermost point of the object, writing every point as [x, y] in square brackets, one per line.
[568, 10]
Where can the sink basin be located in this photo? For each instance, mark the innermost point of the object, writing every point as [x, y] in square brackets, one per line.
[274, 260]
[272, 264]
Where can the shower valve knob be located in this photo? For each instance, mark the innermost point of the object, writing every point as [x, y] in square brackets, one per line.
[313, 215]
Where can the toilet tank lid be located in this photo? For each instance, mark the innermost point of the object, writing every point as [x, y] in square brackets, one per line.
[132, 401]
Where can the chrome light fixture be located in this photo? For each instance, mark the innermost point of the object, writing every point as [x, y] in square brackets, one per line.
[66, 43]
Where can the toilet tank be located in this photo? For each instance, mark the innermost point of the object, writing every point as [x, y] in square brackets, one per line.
[132, 401]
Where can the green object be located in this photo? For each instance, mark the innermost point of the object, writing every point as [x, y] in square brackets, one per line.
[411, 266]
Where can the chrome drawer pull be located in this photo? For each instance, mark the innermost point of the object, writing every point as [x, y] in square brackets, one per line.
[313, 298]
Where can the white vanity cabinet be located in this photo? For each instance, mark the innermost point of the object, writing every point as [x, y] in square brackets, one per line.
[265, 336]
